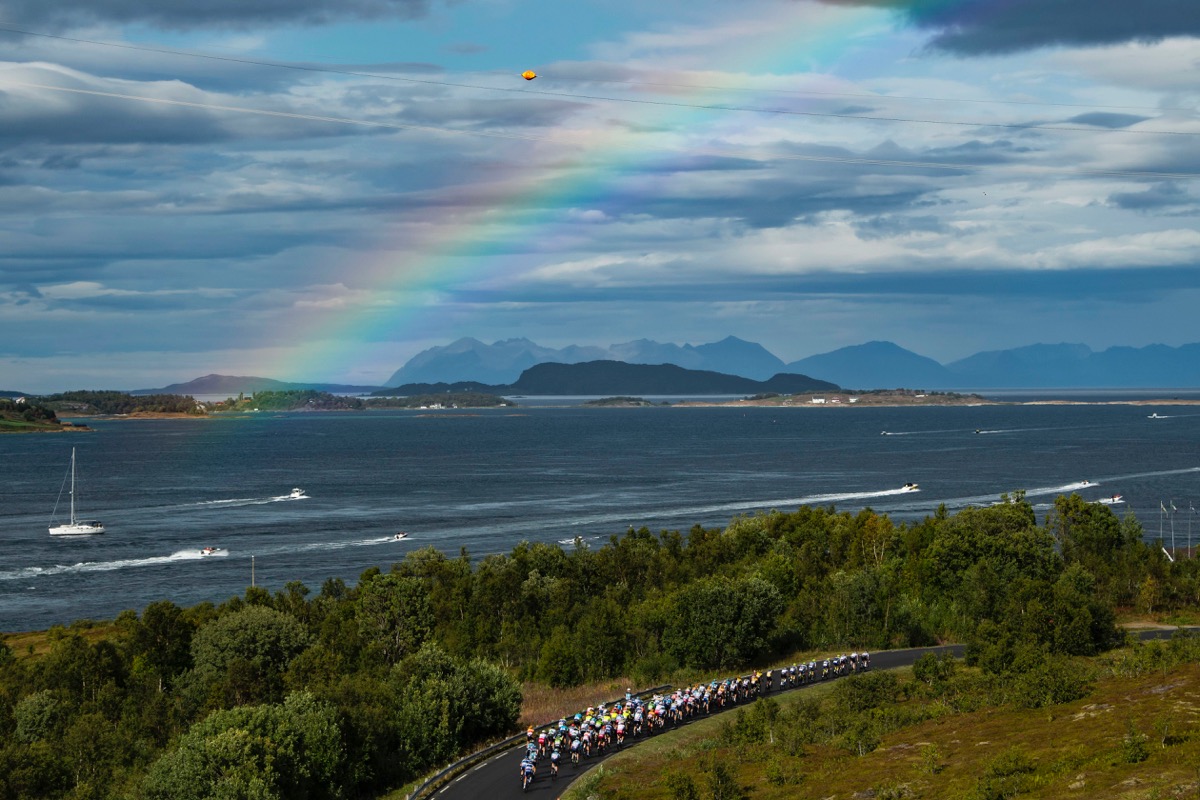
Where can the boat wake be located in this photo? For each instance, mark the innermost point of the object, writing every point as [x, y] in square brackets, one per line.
[635, 518]
[181, 556]
[248, 501]
[1066, 488]
[108, 566]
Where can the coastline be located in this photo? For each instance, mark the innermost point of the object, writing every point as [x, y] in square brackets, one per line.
[875, 399]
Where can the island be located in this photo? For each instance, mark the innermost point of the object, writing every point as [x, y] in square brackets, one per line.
[21, 415]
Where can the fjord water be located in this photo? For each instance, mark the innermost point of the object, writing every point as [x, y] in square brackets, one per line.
[486, 480]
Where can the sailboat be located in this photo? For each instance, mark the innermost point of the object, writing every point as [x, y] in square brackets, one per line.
[76, 527]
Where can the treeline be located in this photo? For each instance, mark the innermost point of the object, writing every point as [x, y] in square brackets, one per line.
[360, 688]
[107, 402]
[313, 400]
[291, 400]
[337, 696]
[646, 605]
[27, 411]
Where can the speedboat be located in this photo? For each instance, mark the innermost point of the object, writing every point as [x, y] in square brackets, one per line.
[209, 551]
[910, 487]
[1111, 501]
[1155, 416]
[297, 494]
[400, 535]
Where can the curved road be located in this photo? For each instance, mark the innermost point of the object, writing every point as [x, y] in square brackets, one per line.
[497, 778]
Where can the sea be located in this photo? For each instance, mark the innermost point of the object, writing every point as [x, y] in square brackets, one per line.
[481, 481]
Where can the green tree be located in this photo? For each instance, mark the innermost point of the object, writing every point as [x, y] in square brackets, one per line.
[244, 654]
[40, 716]
[394, 615]
[721, 622]
[292, 751]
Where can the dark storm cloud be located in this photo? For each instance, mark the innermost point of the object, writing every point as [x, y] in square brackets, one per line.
[1166, 195]
[900, 286]
[26, 293]
[972, 27]
[774, 203]
[148, 113]
[887, 226]
[1103, 119]
[86, 119]
[190, 14]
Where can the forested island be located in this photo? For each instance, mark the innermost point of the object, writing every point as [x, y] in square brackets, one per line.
[357, 689]
[313, 400]
[24, 416]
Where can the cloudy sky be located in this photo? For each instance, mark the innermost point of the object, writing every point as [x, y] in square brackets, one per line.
[320, 189]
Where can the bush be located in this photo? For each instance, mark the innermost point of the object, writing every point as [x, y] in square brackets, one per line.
[866, 691]
[1009, 774]
[1133, 746]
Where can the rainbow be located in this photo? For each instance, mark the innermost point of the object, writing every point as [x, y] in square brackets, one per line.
[397, 285]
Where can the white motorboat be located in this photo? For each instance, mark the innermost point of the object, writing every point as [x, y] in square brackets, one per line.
[209, 551]
[400, 535]
[297, 494]
[1111, 501]
[76, 527]
[910, 487]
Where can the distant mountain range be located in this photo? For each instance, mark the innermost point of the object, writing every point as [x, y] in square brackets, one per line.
[504, 361]
[619, 378]
[874, 365]
[471, 365]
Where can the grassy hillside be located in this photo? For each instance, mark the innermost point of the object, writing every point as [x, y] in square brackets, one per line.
[1135, 734]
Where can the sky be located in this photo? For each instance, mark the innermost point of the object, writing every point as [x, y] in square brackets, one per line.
[317, 190]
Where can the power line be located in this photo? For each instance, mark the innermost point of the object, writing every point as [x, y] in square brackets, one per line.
[564, 142]
[602, 98]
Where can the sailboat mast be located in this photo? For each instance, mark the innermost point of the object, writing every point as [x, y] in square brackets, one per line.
[72, 485]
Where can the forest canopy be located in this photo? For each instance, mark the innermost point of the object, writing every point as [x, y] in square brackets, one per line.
[357, 689]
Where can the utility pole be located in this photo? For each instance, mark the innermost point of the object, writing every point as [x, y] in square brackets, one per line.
[251, 572]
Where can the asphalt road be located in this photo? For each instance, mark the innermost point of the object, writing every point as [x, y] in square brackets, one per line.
[498, 778]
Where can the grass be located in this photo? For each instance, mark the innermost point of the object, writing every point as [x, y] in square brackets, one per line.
[542, 704]
[21, 426]
[38, 643]
[1080, 749]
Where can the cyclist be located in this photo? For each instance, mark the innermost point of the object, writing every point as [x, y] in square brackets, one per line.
[555, 757]
[528, 772]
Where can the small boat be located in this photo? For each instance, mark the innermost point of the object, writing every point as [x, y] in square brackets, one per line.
[297, 494]
[399, 536]
[1155, 416]
[910, 487]
[209, 551]
[76, 527]
[1111, 501]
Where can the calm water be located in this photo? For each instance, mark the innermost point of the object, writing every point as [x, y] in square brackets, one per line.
[484, 481]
